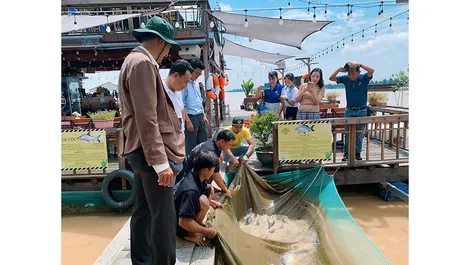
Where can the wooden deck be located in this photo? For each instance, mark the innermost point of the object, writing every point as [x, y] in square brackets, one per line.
[118, 251]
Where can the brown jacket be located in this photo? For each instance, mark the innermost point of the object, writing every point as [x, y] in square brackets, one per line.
[142, 98]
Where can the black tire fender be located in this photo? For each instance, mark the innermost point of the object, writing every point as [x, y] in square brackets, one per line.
[106, 192]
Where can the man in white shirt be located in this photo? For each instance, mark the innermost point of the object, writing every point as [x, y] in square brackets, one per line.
[178, 78]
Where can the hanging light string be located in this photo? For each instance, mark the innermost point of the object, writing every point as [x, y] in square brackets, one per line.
[314, 56]
[330, 48]
[380, 4]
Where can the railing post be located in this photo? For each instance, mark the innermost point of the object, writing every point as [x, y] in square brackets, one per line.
[398, 140]
[352, 144]
[335, 135]
[368, 139]
[275, 148]
[404, 134]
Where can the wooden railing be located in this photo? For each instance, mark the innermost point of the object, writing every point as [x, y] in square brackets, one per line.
[379, 144]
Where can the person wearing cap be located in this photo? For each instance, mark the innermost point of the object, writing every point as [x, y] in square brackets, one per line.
[239, 152]
[153, 146]
[356, 86]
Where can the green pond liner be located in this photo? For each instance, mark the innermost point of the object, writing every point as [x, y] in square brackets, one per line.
[91, 198]
[307, 196]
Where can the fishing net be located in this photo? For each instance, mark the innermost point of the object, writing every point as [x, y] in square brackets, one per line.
[293, 217]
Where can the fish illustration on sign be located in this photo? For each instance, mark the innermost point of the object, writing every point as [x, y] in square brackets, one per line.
[87, 137]
[305, 129]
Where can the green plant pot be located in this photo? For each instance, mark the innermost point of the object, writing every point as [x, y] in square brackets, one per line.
[266, 158]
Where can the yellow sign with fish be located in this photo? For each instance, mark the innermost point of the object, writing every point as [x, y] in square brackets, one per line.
[304, 141]
[84, 149]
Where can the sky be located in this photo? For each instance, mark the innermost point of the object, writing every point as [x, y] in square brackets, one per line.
[387, 52]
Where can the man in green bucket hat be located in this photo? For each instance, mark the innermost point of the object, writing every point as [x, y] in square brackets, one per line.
[153, 146]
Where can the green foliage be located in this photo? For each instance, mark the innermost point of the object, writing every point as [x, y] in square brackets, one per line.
[261, 127]
[247, 86]
[401, 79]
[379, 97]
[107, 115]
[332, 94]
[103, 90]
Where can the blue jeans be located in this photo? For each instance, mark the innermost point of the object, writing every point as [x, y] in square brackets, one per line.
[359, 135]
[237, 152]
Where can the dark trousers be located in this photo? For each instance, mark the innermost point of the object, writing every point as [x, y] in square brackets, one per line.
[199, 135]
[153, 230]
[291, 113]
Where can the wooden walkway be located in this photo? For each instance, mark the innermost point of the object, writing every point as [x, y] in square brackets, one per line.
[118, 251]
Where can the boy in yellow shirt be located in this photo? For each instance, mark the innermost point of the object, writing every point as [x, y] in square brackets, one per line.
[239, 150]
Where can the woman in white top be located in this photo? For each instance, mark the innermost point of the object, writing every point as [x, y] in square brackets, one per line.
[289, 94]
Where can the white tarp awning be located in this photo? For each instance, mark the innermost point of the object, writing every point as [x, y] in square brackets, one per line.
[84, 21]
[291, 33]
[234, 49]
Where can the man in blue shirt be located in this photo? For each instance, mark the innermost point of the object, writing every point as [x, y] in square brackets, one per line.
[356, 86]
[193, 114]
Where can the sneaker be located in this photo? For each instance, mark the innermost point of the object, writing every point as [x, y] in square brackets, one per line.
[345, 157]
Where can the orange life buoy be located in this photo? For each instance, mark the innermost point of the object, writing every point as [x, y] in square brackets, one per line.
[222, 82]
[222, 94]
[211, 95]
[215, 79]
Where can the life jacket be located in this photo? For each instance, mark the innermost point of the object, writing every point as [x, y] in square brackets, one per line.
[215, 81]
[222, 86]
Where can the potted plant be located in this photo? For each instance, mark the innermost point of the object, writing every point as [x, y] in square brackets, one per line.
[261, 128]
[248, 87]
[103, 119]
[331, 96]
[376, 99]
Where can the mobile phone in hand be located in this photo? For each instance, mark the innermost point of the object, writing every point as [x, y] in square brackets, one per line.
[346, 67]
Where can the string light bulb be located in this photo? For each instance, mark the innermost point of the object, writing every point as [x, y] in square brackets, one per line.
[211, 24]
[381, 11]
[288, 4]
[142, 25]
[308, 9]
[281, 22]
[246, 20]
[362, 37]
[350, 12]
[407, 20]
[375, 33]
[108, 28]
[314, 20]
[326, 14]
[75, 25]
[390, 26]
[177, 24]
